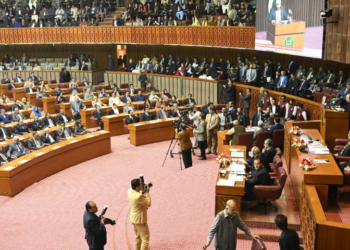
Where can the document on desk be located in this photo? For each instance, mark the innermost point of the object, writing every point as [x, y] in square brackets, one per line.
[228, 183]
[110, 116]
[237, 154]
[8, 168]
[237, 167]
[321, 161]
[23, 161]
[239, 159]
[235, 177]
[41, 153]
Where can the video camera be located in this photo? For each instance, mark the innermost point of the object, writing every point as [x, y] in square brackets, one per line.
[144, 186]
[107, 220]
[183, 119]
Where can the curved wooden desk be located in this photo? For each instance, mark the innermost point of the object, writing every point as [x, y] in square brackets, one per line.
[35, 166]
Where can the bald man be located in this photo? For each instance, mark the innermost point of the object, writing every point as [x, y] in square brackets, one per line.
[225, 228]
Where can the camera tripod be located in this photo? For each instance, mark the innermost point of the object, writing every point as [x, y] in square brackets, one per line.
[170, 149]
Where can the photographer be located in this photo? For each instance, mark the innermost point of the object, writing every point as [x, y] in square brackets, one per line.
[138, 215]
[95, 230]
[185, 144]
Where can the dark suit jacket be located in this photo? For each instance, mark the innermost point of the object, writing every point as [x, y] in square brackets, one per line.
[130, 66]
[47, 140]
[246, 98]
[229, 93]
[60, 118]
[99, 114]
[65, 77]
[269, 154]
[243, 120]
[134, 119]
[95, 231]
[272, 15]
[45, 121]
[10, 87]
[293, 67]
[28, 91]
[7, 132]
[255, 118]
[37, 126]
[85, 67]
[20, 130]
[32, 145]
[289, 240]
[187, 101]
[274, 127]
[145, 117]
[5, 156]
[5, 119]
[278, 109]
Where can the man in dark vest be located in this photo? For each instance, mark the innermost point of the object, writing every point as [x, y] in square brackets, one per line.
[301, 114]
[235, 131]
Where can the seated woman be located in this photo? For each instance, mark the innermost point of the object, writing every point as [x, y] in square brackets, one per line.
[72, 97]
[60, 98]
[117, 91]
[97, 102]
[5, 99]
[173, 101]
[165, 94]
[36, 112]
[159, 103]
[88, 95]
[103, 94]
[79, 128]
[114, 100]
[147, 104]
[181, 70]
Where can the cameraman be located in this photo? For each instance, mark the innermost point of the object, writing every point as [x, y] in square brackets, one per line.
[95, 230]
[138, 215]
[185, 144]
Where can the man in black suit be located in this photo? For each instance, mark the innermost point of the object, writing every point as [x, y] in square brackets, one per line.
[242, 118]
[64, 75]
[146, 116]
[11, 86]
[131, 118]
[48, 121]
[175, 112]
[131, 66]
[62, 117]
[289, 239]
[346, 150]
[98, 114]
[95, 230]
[36, 124]
[268, 151]
[49, 137]
[83, 66]
[275, 108]
[21, 128]
[5, 133]
[246, 103]
[189, 100]
[229, 91]
[292, 66]
[257, 116]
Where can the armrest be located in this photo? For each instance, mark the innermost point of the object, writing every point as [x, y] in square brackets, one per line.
[341, 142]
[342, 158]
[61, 138]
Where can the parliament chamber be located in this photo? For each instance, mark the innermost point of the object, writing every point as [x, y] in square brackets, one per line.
[246, 120]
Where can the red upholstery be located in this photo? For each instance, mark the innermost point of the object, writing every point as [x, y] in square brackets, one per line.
[326, 90]
[278, 138]
[346, 182]
[9, 93]
[153, 103]
[276, 163]
[125, 127]
[335, 92]
[11, 128]
[245, 139]
[29, 126]
[339, 145]
[57, 107]
[52, 82]
[60, 138]
[95, 121]
[278, 152]
[328, 97]
[25, 144]
[39, 103]
[271, 192]
[62, 85]
[72, 129]
[219, 107]
[6, 148]
[139, 106]
[142, 90]
[258, 245]
[124, 85]
[261, 137]
[318, 97]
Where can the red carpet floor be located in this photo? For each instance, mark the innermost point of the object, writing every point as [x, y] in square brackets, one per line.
[49, 214]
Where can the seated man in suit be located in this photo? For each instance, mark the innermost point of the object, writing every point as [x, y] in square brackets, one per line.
[235, 131]
[30, 88]
[62, 117]
[76, 106]
[131, 66]
[5, 118]
[260, 129]
[346, 150]
[146, 115]
[17, 104]
[304, 84]
[16, 148]
[64, 132]
[48, 121]
[277, 125]
[175, 112]
[189, 100]
[139, 97]
[163, 113]
[21, 128]
[34, 143]
[268, 151]
[98, 114]
[127, 97]
[5, 133]
[128, 107]
[258, 177]
[49, 137]
[37, 124]
[289, 239]
[132, 89]
[131, 118]
[3, 157]
[16, 116]
[11, 86]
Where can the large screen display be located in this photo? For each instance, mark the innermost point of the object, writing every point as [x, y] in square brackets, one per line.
[290, 27]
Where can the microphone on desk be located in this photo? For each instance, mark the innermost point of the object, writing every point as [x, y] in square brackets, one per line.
[309, 137]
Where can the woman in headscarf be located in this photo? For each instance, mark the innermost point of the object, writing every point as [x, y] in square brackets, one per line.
[195, 21]
[60, 98]
[36, 112]
[165, 94]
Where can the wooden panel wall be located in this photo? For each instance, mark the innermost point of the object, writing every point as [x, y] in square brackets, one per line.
[337, 46]
[306, 10]
[136, 52]
[178, 86]
[98, 51]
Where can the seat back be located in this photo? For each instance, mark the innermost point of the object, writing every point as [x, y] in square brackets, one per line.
[245, 139]
[318, 96]
[124, 85]
[281, 178]
[39, 103]
[219, 107]
[335, 92]
[6, 148]
[9, 93]
[278, 138]
[278, 152]
[52, 82]
[258, 244]
[25, 143]
[108, 111]
[153, 103]
[29, 125]
[276, 163]
[139, 106]
[261, 137]
[326, 90]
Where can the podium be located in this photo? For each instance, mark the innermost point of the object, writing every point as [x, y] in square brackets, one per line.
[287, 35]
[49, 104]
[18, 93]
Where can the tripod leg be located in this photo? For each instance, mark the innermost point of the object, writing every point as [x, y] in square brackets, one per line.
[168, 149]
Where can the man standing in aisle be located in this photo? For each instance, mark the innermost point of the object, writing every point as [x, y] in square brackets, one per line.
[246, 102]
[185, 144]
[138, 215]
[225, 228]
[213, 121]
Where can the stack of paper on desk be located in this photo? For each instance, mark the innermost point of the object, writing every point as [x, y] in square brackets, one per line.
[229, 183]
[237, 154]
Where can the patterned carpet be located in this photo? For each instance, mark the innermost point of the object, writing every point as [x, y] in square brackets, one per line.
[48, 215]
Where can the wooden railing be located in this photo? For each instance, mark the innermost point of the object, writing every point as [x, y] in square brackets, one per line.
[239, 37]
